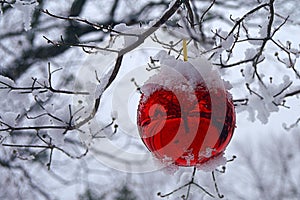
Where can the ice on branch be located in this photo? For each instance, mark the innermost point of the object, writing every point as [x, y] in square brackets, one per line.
[26, 8]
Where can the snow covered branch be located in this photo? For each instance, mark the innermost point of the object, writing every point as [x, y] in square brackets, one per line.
[53, 113]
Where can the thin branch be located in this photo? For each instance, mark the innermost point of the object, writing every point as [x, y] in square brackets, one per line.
[222, 65]
[295, 124]
[189, 184]
[283, 89]
[238, 22]
[253, 92]
[84, 46]
[106, 29]
[25, 146]
[41, 89]
[290, 94]
[140, 39]
[206, 11]
[216, 185]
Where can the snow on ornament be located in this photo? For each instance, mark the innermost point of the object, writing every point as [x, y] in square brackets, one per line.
[185, 112]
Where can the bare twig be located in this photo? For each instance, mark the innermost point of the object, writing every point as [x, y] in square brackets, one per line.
[188, 185]
[43, 87]
[216, 185]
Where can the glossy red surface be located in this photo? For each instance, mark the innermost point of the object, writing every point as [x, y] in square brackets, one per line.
[188, 130]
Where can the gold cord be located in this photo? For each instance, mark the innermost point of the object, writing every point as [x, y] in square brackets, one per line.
[184, 46]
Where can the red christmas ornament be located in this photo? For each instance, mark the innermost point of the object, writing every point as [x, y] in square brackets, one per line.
[184, 115]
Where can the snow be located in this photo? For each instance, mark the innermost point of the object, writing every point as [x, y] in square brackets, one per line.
[184, 178]
[122, 27]
[226, 44]
[270, 96]
[56, 136]
[188, 157]
[9, 118]
[169, 77]
[244, 130]
[170, 168]
[250, 53]
[100, 87]
[42, 96]
[255, 42]
[207, 153]
[260, 107]
[129, 34]
[26, 8]
[24, 157]
[263, 30]
[63, 113]
[3, 135]
[114, 114]
[248, 73]
[178, 75]
[95, 129]
[212, 163]
[5, 80]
